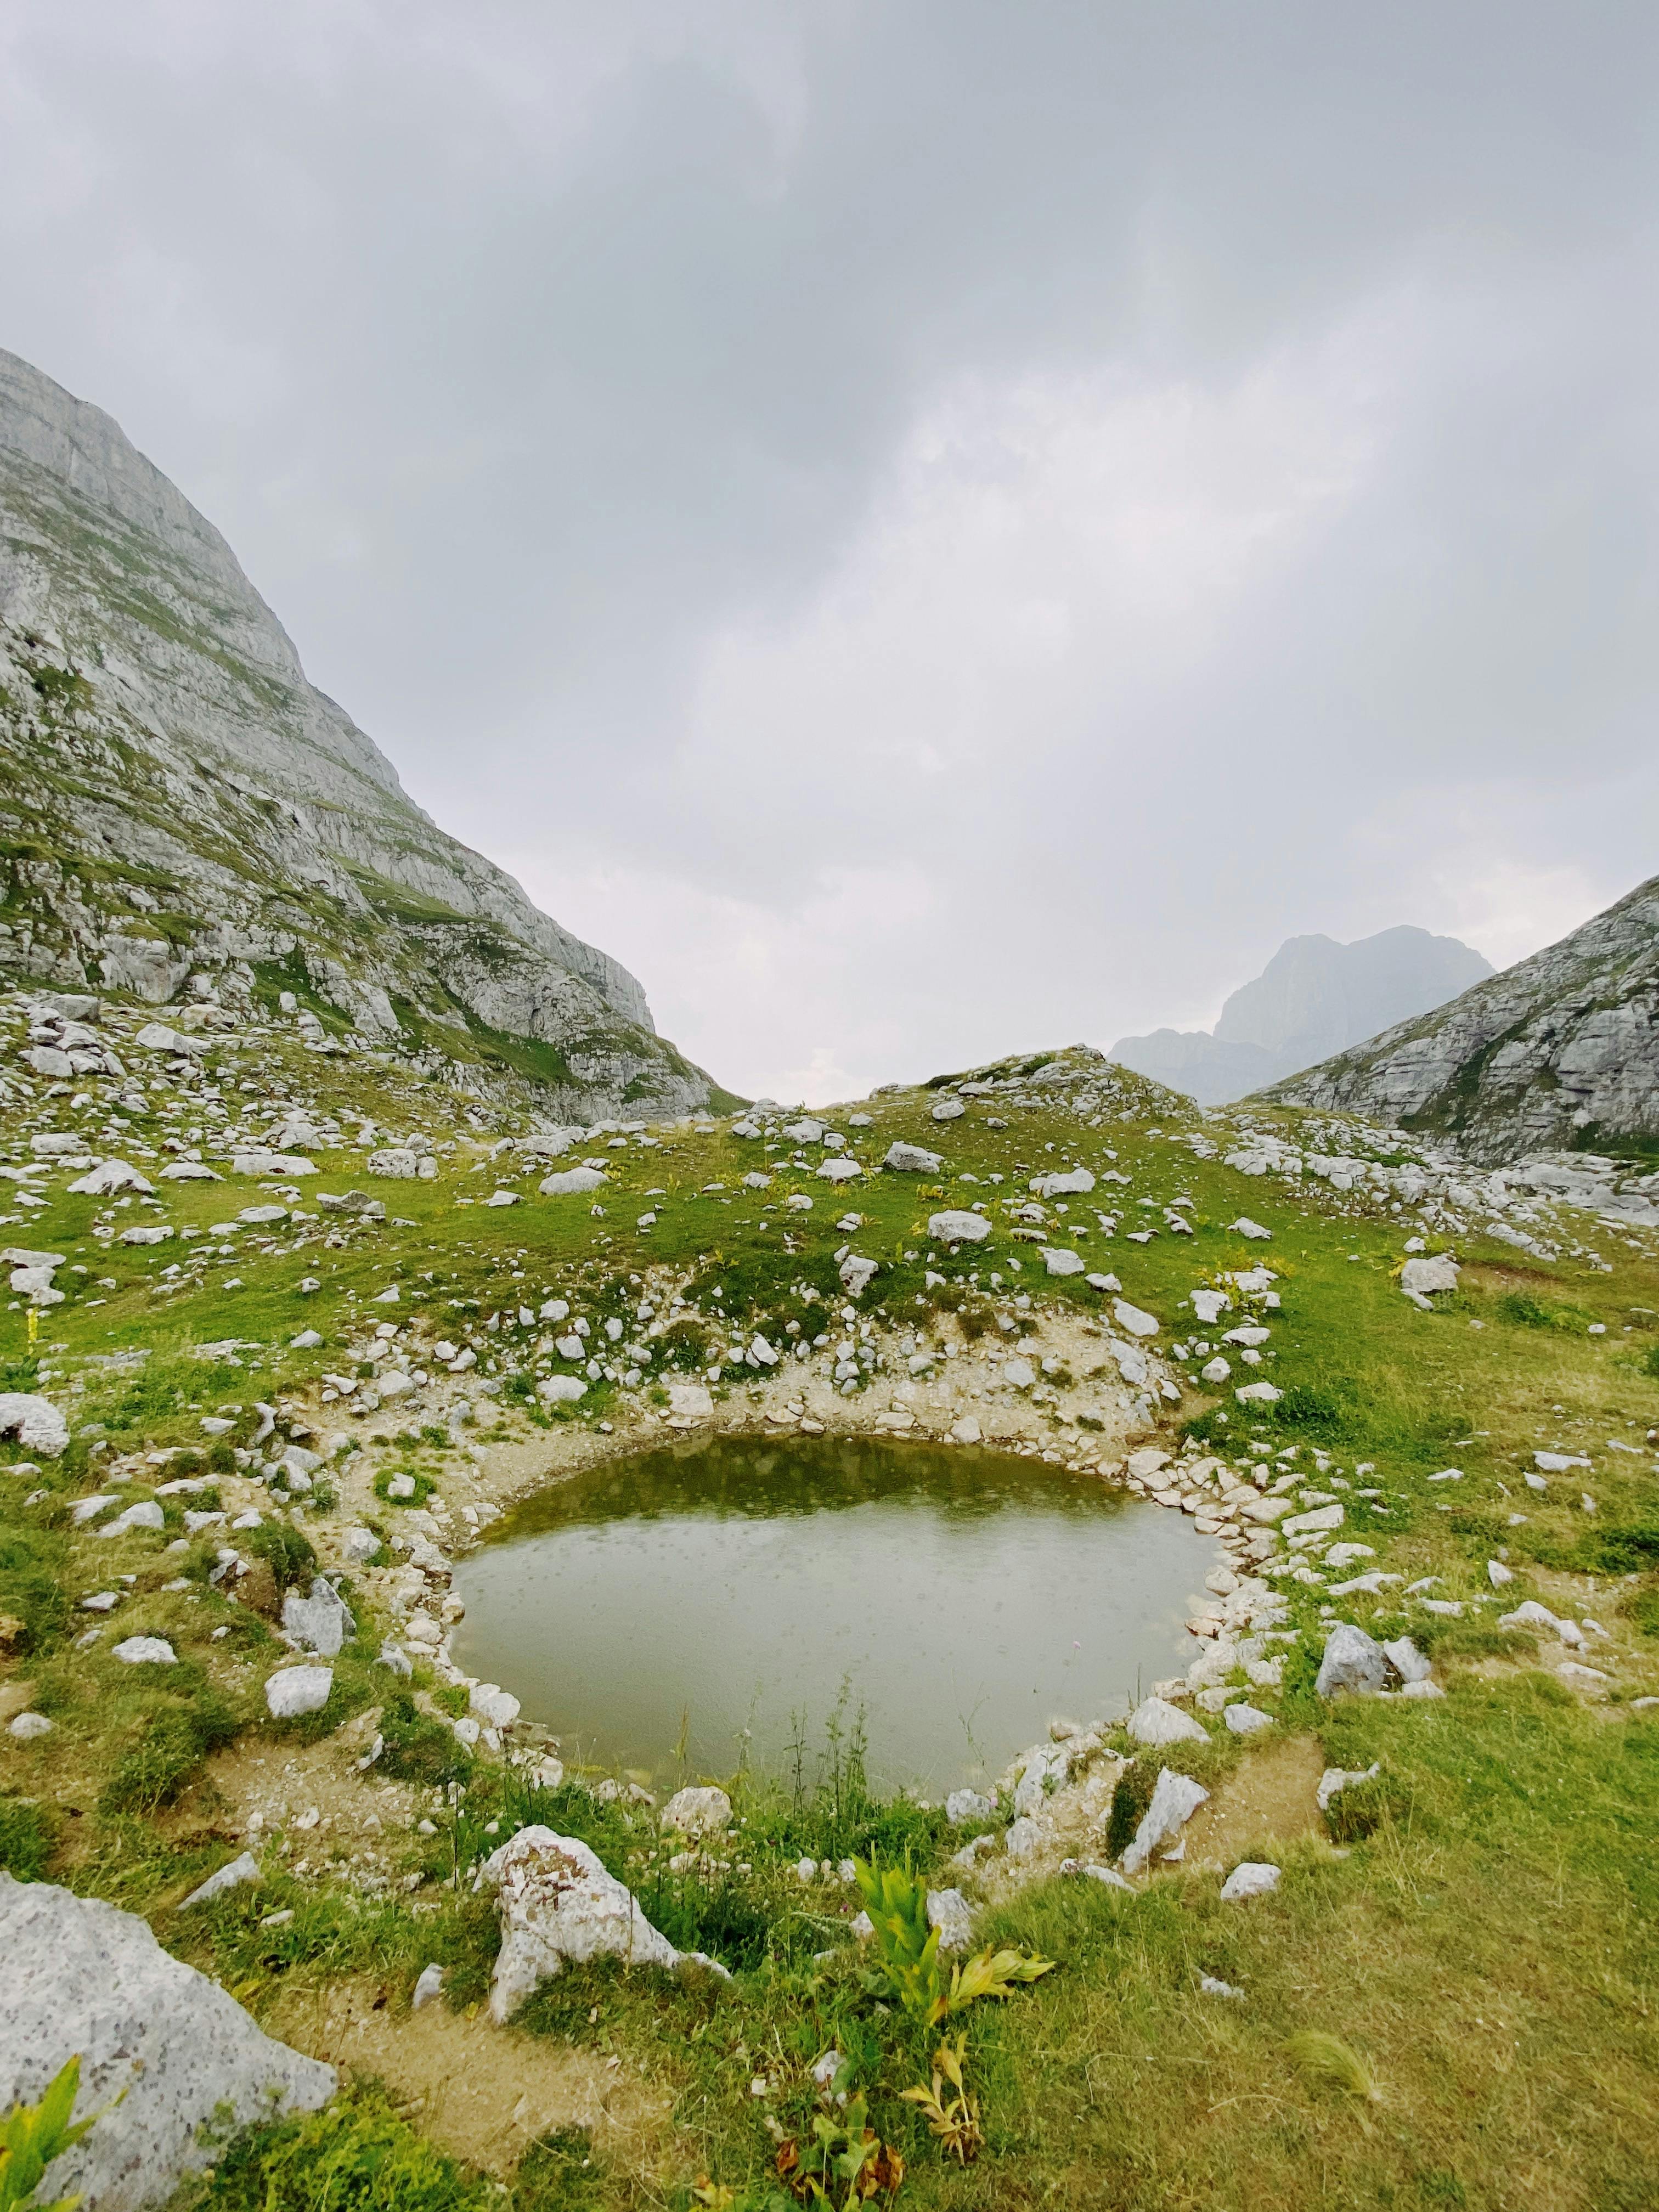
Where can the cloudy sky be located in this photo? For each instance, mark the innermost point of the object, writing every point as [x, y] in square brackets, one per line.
[925, 529]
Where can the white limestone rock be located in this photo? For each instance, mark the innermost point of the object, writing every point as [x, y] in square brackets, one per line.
[34, 1421]
[572, 1182]
[911, 1159]
[958, 1228]
[320, 1622]
[558, 1905]
[293, 1691]
[948, 1912]
[698, 1811]
[1352, 1662]
[1254, 1878]
[1156, 1722]
[1175, 1798]
[82, 1977]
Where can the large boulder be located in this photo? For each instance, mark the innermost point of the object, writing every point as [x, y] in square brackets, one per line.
[82, 1976]
[557, 1904]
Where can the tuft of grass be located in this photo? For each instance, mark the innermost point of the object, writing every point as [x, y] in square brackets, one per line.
[358, 2155]
[1334, 2064]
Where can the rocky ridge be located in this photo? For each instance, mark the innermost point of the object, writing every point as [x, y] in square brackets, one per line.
[1560, 1052]
[186, 819]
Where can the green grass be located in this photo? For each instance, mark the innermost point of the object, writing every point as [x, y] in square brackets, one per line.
[1484, 1949]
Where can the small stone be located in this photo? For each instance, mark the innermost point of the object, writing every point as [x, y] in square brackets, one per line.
[146, 1650]
[1254, 1878]
[293, 1691]
[1245, 1720]
[244, 1869]
[1497, 1574]
[1175, 1798]
[1352, 1662]
[1023, 1836]
[958, 1228]
[26, 1726]
[1407, 1661]
[947, 1911]
[697, 1812]
[430, 1984]
[1213, 1988]
[964, 1808]
[1156, 1722]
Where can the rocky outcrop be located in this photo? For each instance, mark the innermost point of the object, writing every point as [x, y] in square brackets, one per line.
[1315, 997]
[1560, 1051]
[182, 814]
[180, 2054]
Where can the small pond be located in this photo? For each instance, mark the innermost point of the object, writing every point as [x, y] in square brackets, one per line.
[668, 1613]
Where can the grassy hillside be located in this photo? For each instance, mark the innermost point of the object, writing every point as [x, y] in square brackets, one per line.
[1474, 1926]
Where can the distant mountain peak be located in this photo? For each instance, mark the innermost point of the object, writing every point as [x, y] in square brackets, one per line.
[1314, 998]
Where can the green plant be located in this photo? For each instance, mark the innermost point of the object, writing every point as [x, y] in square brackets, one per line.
[28, 1838]
[1332, 2064]
[845, 2165]
[417, 1749]
[1130, 1799]
[358, 2155]
[172, 1743]
[33, 2135]
[907, 1949]
[956, 2122]
[285, 1551]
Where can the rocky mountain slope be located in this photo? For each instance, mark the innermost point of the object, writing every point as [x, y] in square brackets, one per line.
[1561, 1050]
[1315, 997]
[185, 816]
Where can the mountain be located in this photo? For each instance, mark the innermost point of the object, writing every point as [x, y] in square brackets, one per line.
[1314, 998]
[1560, 1050]
[182, 815]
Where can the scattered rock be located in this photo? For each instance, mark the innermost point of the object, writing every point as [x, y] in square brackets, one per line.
[26, 1726]
[1155, 1721]
[947, 1911]
[319, 1623]
[34, 1421]
[244, 1869]
[1245, 1720]
[912, 1160]
[429, 1985]
[694, 1812]
[964, 1808]
[293, 1691]
[1175, 1800]
[1254, 1878]
[146, 1651]
[1352, 1662]
[1336, 1778]
[1426, 1276]
[958, 1228]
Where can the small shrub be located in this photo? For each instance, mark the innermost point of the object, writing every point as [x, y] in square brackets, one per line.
[173, 1741]
[358, 2155]
[1650, 1362]
[284, 1550]
[1363, 1808]
[418, 1749]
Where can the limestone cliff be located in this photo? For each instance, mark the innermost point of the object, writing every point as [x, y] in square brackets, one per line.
[182, 815]
[1560, 1050]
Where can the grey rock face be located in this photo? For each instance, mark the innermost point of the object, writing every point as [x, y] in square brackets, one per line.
[82, 1976]
[1314, 998]
[557, 1904]
[1561, 1051]
[1352, 1662]
[158, 726]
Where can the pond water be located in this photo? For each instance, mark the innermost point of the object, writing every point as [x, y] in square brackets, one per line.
[673, 1612]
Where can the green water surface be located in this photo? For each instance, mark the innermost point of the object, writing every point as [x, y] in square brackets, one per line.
[673, 1613]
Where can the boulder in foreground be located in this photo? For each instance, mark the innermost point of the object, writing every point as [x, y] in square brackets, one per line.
[82, 1976]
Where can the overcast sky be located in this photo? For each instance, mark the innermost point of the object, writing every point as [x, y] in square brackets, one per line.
[924, 529]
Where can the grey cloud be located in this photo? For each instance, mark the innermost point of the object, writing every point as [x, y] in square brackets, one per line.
[530, 358]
